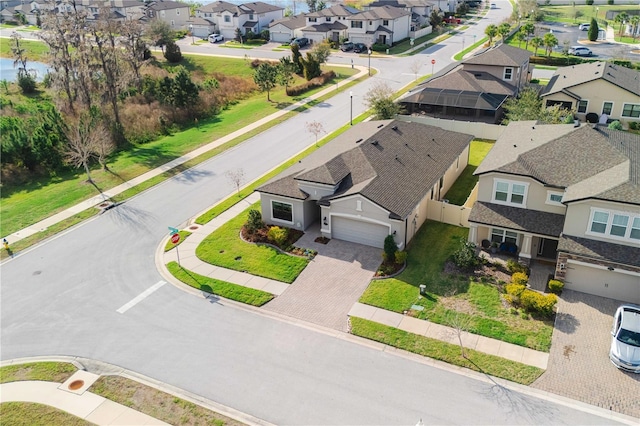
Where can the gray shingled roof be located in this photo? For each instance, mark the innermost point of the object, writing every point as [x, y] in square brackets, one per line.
[325, 27]
[337, 10]
[383, 12]
[567, 77]
[239, 9]
[392, 163]
[516, 218]
[500, 55]
[292, 22]
[600, 250]
[167, 5]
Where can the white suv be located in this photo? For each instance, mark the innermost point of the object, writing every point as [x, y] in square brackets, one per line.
[214, 38]
[584, 27]
[580, 51]
[625, 343]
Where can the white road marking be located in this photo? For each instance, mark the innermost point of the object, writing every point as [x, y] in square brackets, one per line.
[139, 298]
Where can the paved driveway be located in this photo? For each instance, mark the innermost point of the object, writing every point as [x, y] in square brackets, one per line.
[579, 365]
[329, 286]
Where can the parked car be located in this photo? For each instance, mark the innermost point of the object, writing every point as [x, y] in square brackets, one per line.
[214, 38]
[300, 41]
[584, 27]
[580, 51]
[359, 47]
[453, 20]
[625, 343]
[493, 6]
[347, 46]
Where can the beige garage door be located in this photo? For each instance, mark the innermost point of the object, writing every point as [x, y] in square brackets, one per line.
[602, 282]
[357, 231]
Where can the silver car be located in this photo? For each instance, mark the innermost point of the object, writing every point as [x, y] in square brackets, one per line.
[625, 344]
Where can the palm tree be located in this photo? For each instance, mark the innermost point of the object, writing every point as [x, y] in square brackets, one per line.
[621, 17]
[521, 36]
[536, 42]
[549, 42]
[504, 29]
[491, 31]
[635, 20]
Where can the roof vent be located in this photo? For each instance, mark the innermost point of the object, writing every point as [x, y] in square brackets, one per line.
[397, 158]
[380, 125]
[395, 128]
[564, 76]
[374, 143]
[515, 146]
[359, 140]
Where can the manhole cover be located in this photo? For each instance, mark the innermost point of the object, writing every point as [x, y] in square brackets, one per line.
[76, 384]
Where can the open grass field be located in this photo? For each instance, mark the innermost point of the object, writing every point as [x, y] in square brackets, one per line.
[34, 50]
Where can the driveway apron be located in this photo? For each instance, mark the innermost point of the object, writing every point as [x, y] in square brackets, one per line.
[333, 281]
[579, 366]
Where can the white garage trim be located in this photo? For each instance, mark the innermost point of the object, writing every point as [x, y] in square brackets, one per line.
[359, 230]
[599, 280]
[591, 265]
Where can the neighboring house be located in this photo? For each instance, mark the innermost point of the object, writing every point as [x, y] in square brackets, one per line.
[376, 179]
[420, 9]
[228, 17]
[474, 90]
[596, 87]
[568, 195]
[174, 13]
[382, 25]
[286, 29]
[201, 27]
[328, 24]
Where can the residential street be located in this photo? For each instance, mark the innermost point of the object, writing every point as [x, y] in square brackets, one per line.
[63, 296]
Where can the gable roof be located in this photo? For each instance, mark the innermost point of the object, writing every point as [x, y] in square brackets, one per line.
[291, 22]
[588, 162]
[392, 163]
[325, 27]
[567, 77]
[336, 10]
[599, 250]
[239, 9]
[382, 12]
[500, 55]
[167, 5]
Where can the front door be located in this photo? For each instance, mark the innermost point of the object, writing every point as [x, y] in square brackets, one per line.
[548, 248]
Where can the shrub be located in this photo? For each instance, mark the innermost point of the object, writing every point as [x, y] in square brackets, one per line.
[609, 2]
[278, 235]
[514, 289]
[589, 2]
[616, 125]
[27, 83]
[633, 125]
[465, 256]
[556, 286]
[311, 84]
[533, 301]
[520, 278]
[592, 34]
[390, 248]
[172, 53]
[514, 266]
[254, 221]
[401, 257]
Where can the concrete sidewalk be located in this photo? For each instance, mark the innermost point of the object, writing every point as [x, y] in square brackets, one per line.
[76, 401]
[98, 199]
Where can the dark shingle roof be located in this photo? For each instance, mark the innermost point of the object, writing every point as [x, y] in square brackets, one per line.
[392, 163]
[600, 250]
[501, 55]
[337, 10]
[325, 27]
[383, 12]
[516, 218]
[292, 22]
[567, 77]
[167, 5]
[239, 9]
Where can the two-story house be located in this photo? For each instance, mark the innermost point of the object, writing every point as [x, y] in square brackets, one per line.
[382, 25]
[565, 194]
[328, 24]
[601, 88]
[174, 13]
[474, 90]
[228, 17]
[286, 29]
[420, 9]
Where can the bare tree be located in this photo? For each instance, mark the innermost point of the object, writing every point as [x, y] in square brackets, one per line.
[86, 137]
[415, 66]
[459, 324]
[235, 177]
[380, 98]
[316, 128]
[134, 49]
[19, 53]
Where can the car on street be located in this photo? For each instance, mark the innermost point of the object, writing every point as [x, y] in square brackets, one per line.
[580, 51]
[493, 6]
[625, 343]
[347, 46]
[359, 47]
[214, 38]
[584, 27]
[453, 20]
[300, 41]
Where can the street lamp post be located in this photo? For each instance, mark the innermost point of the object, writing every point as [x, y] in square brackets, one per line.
[462, 43]
[369, 52]
[597, 11]
[193, 39]
[351, 112]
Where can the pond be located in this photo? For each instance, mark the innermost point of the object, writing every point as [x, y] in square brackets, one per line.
[9, 73]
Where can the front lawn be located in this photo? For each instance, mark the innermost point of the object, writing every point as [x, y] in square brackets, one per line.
[41, 371]
[475, 303]
[33, 414]
[461, 189]
[225, 248]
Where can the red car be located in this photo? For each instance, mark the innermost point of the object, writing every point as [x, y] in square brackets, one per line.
[453, 20]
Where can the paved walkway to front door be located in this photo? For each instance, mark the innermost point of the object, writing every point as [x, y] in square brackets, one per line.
[331, 284]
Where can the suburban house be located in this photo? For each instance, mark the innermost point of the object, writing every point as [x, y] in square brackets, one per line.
[382, 25]
[596, 87]
[286, 29]
[328, 24]
[474, 90]
[201, 27]
[376, 179]
[227, 17]
[420, 9]
[174, 13]
[568, 195]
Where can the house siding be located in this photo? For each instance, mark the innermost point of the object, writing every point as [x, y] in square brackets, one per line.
[299, 217]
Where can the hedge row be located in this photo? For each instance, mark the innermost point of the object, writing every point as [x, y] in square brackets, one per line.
[313, 83]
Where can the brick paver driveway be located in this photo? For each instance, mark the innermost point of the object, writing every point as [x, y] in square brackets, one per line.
[329, 286]
[579, 365]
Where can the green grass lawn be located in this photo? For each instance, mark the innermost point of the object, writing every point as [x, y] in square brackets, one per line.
[459, 192]
[34, 50]
[225, 289]
[183, 236]
[447, 352]
[33, 414]
[225, 248]
[479, 302]
[41, 371]
[585, 13]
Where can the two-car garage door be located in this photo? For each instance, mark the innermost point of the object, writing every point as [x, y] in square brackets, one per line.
[602, 282]
[357, 231]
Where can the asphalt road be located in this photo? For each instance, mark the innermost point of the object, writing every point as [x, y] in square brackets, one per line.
[62, 298]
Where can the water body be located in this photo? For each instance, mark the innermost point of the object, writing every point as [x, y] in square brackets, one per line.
[9, 73]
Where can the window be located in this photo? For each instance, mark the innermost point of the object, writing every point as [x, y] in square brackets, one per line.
[356, 24]
[554, 198]
[227, 18]
[619, 225]
[615, 224]
[599, 222]
[513, 193]
[635, 229]
[327, 19]
[359, 205]
[313, 19]
[582, 106]
[508, 74]
[282, 211]
[607, 107]
[631, 110]
[503, 236]
[177, 12]
[251, 16]
[385, 22]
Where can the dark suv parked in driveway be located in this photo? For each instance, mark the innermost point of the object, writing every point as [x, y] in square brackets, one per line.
[359, 47]
[345, 47]
[300, 41]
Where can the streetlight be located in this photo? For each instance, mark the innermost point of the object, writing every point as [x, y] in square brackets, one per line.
[193, 39]
[369, 51]
[351, 115]
[597, 11]
[462, 43]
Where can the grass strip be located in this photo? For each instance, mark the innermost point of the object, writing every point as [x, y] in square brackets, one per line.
[41, 371]
[231, 291]
[183, 236]
[447, 352]
[460, 55]
[34, 414]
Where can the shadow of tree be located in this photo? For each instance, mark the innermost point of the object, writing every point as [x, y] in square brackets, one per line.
[566, 323]
[136, 219]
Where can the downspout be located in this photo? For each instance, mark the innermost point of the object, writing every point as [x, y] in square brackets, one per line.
[405, 234]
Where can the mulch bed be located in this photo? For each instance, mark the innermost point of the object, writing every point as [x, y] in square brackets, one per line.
[260, 236]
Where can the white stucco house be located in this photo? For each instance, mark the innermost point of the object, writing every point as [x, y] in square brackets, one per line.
[383, 25]
[286, 29]
[376, 179]
[227, 17]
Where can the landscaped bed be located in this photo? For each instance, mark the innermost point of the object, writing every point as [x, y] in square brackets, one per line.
[476, 301]
[225, 248]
